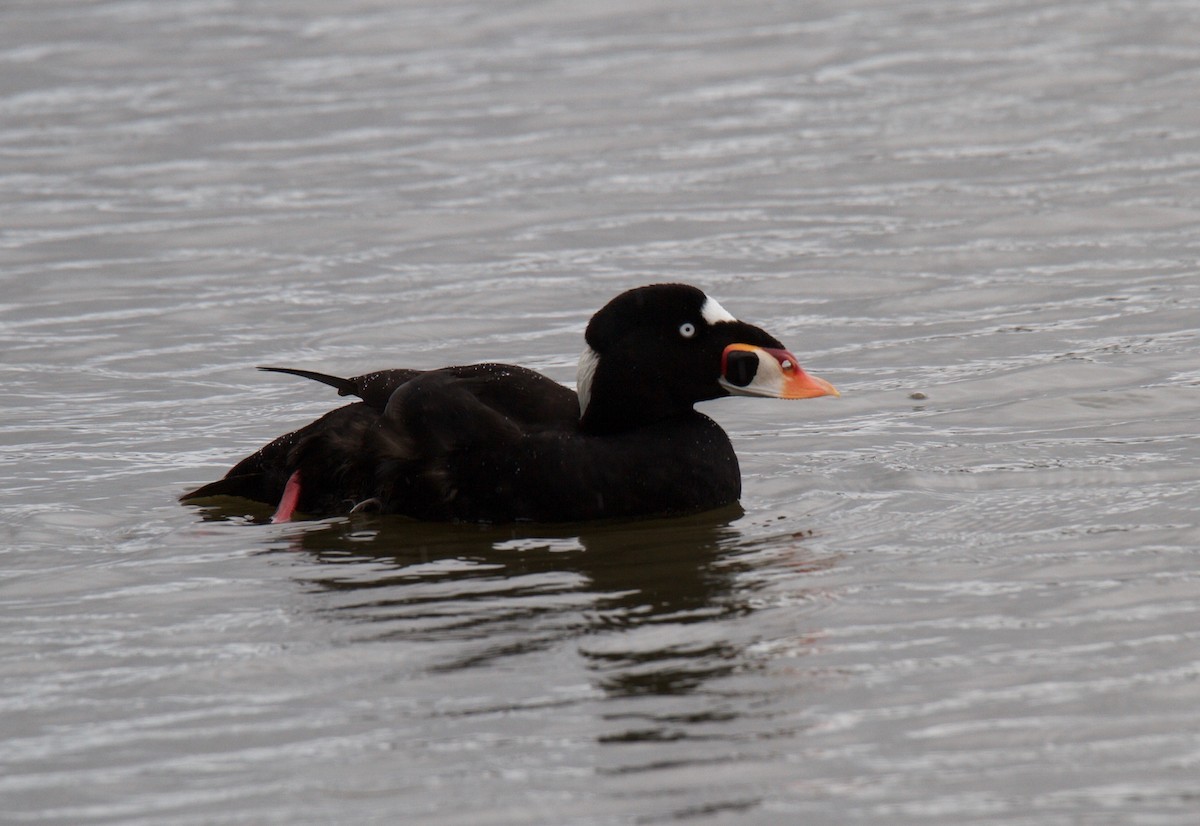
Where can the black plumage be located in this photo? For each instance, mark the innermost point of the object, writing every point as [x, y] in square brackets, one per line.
[498, 443]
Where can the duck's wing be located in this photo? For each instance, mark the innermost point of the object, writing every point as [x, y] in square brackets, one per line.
[408, 421]
[529, 399]
[523, 395]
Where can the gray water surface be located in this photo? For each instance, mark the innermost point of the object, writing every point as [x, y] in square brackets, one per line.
[965, 592]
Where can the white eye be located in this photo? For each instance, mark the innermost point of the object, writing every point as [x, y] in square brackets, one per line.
[687, 329]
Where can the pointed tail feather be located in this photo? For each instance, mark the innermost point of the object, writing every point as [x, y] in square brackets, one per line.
[345, 387]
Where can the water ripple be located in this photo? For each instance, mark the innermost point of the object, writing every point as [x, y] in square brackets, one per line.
[962, 592]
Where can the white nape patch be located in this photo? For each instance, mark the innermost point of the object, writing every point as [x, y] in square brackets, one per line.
[712, 312]
[588, 360]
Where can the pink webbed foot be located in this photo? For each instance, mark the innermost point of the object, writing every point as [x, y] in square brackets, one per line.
[289, 500]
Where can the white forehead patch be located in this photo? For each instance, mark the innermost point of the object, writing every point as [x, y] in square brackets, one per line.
[712, 312]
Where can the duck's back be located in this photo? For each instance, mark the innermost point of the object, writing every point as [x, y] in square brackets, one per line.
[484, 442]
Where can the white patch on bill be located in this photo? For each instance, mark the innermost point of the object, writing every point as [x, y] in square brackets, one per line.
[712, 312]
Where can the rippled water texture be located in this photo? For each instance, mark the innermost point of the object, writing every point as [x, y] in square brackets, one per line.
[965, 592]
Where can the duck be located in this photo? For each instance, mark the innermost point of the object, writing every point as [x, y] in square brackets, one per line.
[499, 443]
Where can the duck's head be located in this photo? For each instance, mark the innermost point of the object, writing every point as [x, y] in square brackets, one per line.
[655, 351]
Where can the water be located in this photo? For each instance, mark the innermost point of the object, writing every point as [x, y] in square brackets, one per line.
[965, 592]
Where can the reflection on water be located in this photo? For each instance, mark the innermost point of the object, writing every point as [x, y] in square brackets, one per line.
[504, 592]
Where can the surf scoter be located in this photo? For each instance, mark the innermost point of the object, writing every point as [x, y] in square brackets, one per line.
[499, 443]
